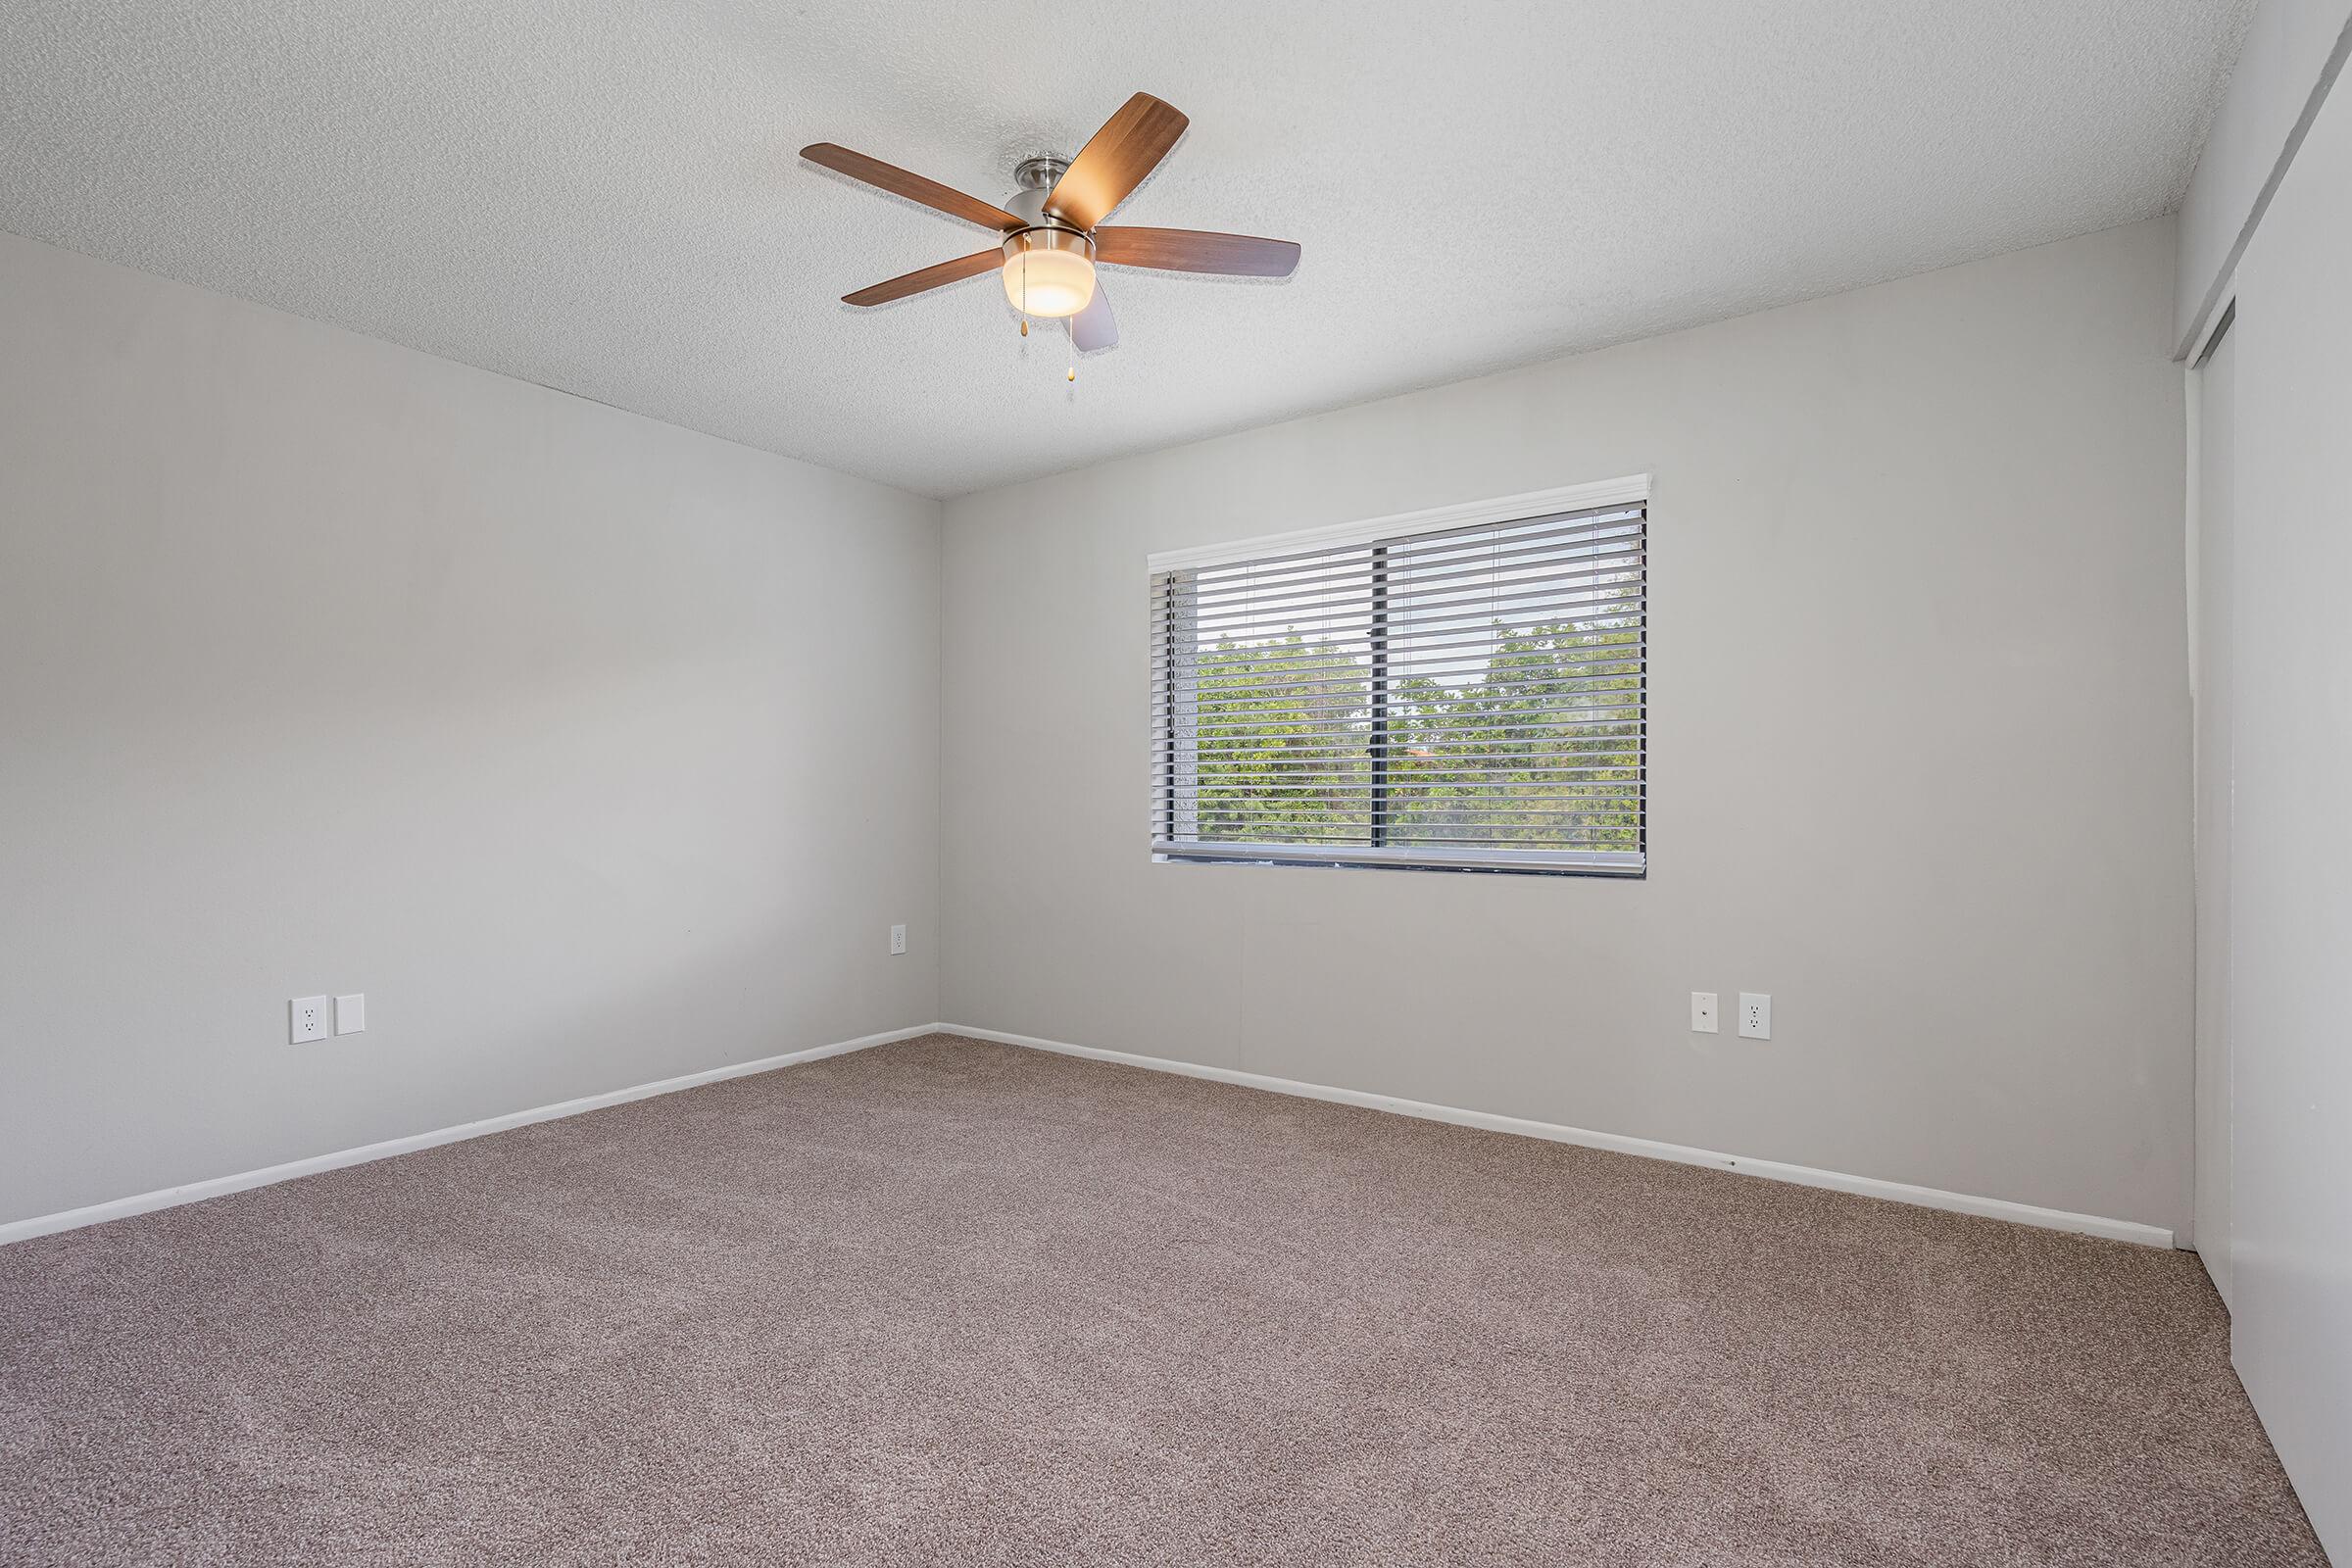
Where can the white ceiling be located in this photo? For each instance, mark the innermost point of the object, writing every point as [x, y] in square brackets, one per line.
[602, 195]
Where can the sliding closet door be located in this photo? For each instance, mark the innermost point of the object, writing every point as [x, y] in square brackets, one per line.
[2291, 824]
[2215, 546]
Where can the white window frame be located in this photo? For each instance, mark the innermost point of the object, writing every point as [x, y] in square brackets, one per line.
[1630, 490]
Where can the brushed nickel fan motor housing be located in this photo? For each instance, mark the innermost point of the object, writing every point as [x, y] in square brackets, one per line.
[1051, 234]
[1029, 206]
[1037, 178]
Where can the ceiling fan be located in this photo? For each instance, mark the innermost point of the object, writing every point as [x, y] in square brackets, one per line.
[1052, 228]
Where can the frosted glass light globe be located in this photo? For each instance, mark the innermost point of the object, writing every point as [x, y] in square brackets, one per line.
[1050, 272]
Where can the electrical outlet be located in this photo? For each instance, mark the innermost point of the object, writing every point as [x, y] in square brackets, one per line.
[350, 1015]
[1702, 1012]
[898, 939]
[307, 1019]
[1755, 1015]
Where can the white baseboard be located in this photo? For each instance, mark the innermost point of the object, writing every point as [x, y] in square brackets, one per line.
[1771, 1170]
[215, 1187]
[2053, 1219]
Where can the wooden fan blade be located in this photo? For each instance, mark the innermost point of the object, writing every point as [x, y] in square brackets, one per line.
[1093, 328]
[915, 187]
[1196, 250]
[955, 271]
[1129, 146]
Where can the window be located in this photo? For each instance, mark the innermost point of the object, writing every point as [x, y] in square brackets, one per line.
[1464, 689]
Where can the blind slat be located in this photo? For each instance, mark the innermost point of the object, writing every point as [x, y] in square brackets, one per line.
[1596, 521]
[1473, 651]
[1582, 565]
[1334, 716]
[1521, 600]
[1500, 836]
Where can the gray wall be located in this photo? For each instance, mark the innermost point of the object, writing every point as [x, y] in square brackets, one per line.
[1921, 755]
[592, 750]
[2275, 766]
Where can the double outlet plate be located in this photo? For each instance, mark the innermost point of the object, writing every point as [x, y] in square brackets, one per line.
[1755, 1015]
[309, 1017]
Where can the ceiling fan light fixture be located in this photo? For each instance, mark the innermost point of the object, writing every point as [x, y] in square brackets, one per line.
[1048, 232]
[1050, 271]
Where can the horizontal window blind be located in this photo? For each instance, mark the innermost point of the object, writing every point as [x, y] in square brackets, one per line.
[1472, 697]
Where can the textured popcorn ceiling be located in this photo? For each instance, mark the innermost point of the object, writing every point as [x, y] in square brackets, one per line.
[602, 195]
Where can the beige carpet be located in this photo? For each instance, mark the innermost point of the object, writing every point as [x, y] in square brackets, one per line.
[953, 1302]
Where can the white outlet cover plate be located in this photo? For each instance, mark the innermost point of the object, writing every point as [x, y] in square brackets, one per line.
[1755, 1015]
[350, 1015]
[306, 1019]
[898, 939]
[1704, 1013]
